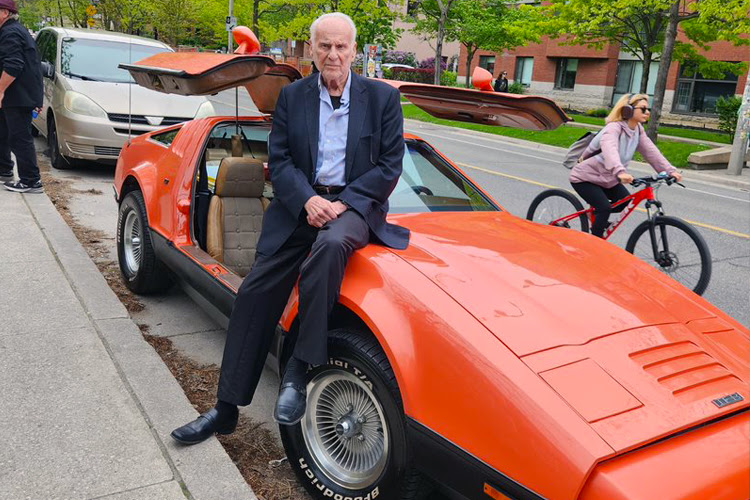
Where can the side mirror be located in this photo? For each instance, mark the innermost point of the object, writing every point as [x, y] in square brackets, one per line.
[48, 70]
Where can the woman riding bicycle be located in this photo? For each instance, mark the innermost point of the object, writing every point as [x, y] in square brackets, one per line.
[599, 178]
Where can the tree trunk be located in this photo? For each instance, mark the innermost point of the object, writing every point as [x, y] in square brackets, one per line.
[469, 58]
[256, 17]
[59, 9]
[647, 56]
[439, 45]
[670, 36]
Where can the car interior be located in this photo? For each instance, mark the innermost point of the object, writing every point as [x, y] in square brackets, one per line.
[232, 193]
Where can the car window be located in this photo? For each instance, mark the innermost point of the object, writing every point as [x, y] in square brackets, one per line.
[253, 137]
[47, 46]
[166, 138]
[430, 184]
[97, 60]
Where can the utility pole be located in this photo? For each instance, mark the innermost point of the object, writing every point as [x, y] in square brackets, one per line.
[229, 35]
[739, 146]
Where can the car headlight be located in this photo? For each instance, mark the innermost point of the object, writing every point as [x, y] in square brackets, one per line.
[82, 105]
[205, 109]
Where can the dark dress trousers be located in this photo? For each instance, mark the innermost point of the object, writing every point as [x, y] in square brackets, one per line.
[289, 248]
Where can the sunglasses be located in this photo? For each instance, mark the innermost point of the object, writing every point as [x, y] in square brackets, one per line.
[644, 109]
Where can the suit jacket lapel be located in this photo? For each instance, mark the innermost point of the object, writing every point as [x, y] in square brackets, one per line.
[357, 112]
[312, 113]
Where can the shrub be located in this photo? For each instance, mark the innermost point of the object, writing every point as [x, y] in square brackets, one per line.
[598, 112]
[418, 75]
[388, 73]
[448, 78]
[516, 88]
[399, 57]
[430, 63]
[728, 109]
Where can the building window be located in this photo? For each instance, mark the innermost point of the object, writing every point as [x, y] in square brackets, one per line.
[698, 94]
[524, 70]
[488, 63]
[629, 74]
[566, 73]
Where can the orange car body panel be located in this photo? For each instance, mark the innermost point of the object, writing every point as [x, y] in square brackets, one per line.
[552, 374]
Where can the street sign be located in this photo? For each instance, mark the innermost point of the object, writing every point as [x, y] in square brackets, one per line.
[91, 22]
[231, 22]
[90, 10]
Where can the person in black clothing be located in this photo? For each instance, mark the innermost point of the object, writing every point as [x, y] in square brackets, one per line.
[501, 84]
[20, 94]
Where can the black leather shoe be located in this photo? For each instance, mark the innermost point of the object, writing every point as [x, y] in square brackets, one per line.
[206, 425]
[290, 407]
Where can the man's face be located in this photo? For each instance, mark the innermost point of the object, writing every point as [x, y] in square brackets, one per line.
[4, 15]
[333, 50]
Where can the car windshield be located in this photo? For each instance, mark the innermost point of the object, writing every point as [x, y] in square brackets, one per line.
[427, 184]
[97, 60]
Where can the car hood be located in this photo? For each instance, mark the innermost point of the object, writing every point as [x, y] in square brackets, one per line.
[122, 98]
[634, 353]
[537, 287]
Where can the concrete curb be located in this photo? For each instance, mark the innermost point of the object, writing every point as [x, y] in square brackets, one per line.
[716, 177]
[205, 471]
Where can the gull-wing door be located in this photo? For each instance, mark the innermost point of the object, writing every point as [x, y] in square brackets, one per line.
[200, 73]
[484, 106]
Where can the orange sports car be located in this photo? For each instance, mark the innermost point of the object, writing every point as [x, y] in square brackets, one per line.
[493, 358]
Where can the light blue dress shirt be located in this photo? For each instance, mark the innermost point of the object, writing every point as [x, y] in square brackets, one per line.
[333, 125]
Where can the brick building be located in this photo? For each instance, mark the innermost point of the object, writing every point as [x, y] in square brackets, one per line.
[581, 78]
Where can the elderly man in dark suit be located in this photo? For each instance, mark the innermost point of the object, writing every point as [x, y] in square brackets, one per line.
[335, 148]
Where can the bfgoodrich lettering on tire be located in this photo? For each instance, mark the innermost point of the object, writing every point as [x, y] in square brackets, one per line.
[140, 268]
[351, 443]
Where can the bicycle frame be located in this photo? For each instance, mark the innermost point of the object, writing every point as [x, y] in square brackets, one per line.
[647, 194]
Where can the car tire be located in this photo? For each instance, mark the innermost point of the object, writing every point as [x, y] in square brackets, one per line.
[56, 158]
[357, 378]
[141, 270]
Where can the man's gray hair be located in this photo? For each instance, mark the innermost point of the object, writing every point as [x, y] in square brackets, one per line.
[332, 15]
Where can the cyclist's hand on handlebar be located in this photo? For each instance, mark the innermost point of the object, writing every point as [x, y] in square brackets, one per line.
[625, 178]
[676, 176]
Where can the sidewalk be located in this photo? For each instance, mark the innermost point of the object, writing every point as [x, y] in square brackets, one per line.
[87, 404]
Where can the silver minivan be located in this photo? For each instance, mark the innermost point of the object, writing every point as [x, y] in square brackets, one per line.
[90, 105]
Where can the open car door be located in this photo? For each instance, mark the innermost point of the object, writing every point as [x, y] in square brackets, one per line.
[190, 73]
[484, 106]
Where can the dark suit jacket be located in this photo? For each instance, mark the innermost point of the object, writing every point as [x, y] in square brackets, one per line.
[374, 154]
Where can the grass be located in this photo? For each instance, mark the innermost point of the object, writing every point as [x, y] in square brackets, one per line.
[701, 135]
[676, 152]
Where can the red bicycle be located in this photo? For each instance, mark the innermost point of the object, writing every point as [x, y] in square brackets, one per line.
[668, 243]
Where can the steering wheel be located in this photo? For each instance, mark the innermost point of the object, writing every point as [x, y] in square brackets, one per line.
[422, 190]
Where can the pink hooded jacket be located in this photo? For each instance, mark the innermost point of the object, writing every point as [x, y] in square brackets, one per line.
[602, 169]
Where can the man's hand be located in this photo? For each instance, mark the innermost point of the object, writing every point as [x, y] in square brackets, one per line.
[625, 178]
[2, 94]
[677, 176]
[339, 207]
[319, 211]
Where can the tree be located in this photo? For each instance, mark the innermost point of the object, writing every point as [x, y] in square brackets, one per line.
[647, 28]
[291, 19]
[491, 25]
[436, 20]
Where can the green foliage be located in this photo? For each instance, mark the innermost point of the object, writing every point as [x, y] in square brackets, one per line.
[516, 88]
[728, 109]
[599, 112]
[448, 78]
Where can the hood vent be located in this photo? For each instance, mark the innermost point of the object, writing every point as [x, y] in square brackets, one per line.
[686, 370]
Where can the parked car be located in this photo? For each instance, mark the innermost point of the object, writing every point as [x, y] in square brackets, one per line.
[496, 357]
[90, 106]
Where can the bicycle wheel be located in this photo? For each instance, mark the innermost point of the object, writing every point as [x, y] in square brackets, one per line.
[553, 204]
[677, 249]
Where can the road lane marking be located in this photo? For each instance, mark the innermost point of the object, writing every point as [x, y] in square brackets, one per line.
[743, 200]
[529, 181]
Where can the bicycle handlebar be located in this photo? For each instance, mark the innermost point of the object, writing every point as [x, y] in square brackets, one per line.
[655, 179]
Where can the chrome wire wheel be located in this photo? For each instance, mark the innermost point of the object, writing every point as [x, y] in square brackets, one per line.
[345, 429]
[132, 242]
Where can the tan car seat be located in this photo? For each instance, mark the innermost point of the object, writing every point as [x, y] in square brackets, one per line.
[235, 214]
